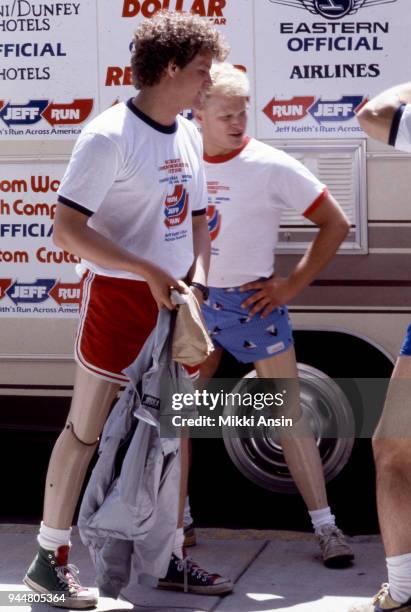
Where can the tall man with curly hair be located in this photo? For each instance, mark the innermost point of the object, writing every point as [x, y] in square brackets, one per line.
[132, 205]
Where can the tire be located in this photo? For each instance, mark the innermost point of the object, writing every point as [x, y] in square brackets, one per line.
[224, 496]
[327, 409]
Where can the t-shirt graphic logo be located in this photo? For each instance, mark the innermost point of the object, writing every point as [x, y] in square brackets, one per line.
[176, 206]
[214, 221]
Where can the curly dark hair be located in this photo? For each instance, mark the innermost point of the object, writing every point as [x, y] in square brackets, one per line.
[172, 36]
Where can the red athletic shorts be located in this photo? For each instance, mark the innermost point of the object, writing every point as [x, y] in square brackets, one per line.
[117, 315]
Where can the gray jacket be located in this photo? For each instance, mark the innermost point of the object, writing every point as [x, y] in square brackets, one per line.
[130, 507]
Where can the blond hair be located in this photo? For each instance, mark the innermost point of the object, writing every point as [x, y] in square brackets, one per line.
[227, 81]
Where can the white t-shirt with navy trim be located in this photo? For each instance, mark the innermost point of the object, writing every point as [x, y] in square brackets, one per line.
[246, 196]
[140, 183]
[403, 135]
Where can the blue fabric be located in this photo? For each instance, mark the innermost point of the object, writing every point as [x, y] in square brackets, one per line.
[248, 339]
[406, 345]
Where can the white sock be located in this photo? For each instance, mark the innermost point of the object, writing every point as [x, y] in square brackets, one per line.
[399, 577]
[51, 539]
[322, 517]
[178, 543]
[188, 519]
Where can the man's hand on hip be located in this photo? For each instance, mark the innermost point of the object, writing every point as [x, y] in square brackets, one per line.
[269, 294]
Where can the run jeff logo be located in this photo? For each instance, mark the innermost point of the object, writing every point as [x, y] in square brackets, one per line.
[24, 293]
[331, 9]
[292, 109]
[39, 291]
[214, 221]
[336, 110]
[322, 110]
[34, 111]
[176, 207]
[28, 114]
[5, 283]
[66, 293]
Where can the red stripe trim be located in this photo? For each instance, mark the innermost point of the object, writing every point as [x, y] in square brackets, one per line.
[87, 280]
[316, 203]
[219, 159]
[358, 108]
[110, 376]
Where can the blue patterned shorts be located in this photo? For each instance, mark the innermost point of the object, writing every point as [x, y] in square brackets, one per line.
[248, 339]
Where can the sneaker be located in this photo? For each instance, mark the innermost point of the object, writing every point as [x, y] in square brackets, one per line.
[335, 550]
[185, 575]
[382, 601]
[189, 536]
[50, 573]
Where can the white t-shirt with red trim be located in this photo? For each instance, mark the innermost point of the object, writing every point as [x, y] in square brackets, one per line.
[247, 191]
[139, 182]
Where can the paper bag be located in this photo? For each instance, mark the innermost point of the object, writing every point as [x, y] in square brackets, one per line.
[191, 343]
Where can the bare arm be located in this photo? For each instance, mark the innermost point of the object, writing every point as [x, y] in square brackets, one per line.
[72, 233]
[377, 115]
[275, 291]
[202, 251]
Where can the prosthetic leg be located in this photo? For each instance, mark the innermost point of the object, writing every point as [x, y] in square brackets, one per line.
[50, 571]
[92, 400]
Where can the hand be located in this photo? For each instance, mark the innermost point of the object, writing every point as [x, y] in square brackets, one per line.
[270, 294]
[160, 283]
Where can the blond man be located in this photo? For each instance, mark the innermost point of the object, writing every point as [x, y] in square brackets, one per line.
[249, 184]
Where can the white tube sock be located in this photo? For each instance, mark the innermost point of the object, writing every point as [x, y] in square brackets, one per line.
[321, 517]
[51, 539]
[399, 577]
[178, 543]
